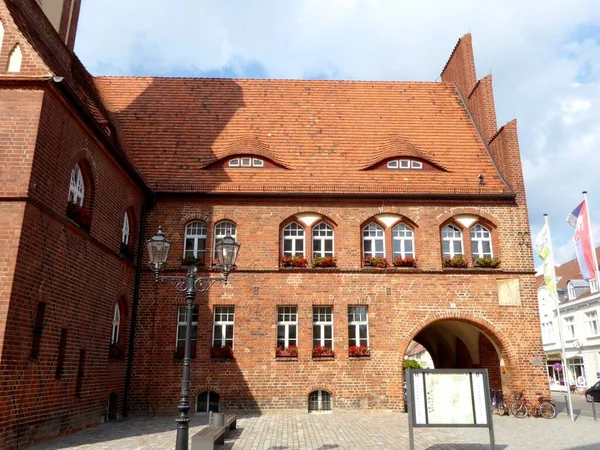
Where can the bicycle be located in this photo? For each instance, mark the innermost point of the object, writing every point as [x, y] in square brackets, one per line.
[498, 404]
[521, 408]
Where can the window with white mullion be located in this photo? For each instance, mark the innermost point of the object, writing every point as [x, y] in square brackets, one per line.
[195, 240]
[373, 241]
[403, 241]
[569, 327]
[547, 332]
[323, 326]
[322, 240]
[223, 326]
[593, 327]
[125, 231]
[77, 186]
[358, 326]
[293, 240]
[222, 229]
[287, 326]
[116, 325]
[481, 242]
[182, 326]
[452, 244]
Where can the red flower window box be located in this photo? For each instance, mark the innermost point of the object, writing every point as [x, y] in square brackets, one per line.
[486, 261]
[409, 261]
[375, 261]
[294, 261]
[458, 261]
[324, 261]
[116, 351]
[322, 351]
[180, 352]
[290, 352]
[79, 215]
[358, 351]
[225, 352]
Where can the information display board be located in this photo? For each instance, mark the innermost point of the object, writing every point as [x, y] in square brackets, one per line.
[449, 398]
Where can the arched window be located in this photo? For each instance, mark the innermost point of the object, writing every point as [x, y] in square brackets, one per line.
[15, 59]
[195, 240]
[293, 240]
[116, 324]
[452, 244]
[207, 401]
[77, 186]
[403, 241]
[125, 231]
[571, 291]
[322, 243]
[481, 242]
[373, 241]
[222, 229]
[319, 401]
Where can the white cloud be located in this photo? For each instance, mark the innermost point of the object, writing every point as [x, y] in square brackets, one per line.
[544, 56]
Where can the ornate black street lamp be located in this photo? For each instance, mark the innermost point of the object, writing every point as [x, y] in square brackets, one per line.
[158, 250]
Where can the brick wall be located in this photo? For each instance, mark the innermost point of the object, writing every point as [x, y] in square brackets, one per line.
[401, 304]
[79, 276]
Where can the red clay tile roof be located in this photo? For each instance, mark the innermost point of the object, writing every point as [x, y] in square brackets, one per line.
[325, 132]
[565, 272]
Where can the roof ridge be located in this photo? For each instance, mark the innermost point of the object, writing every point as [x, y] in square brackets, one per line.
[151, 77]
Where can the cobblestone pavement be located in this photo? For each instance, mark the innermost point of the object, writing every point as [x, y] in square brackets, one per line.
[289, 430]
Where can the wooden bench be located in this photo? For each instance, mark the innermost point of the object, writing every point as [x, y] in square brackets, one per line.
[208, 437]
[231, 421]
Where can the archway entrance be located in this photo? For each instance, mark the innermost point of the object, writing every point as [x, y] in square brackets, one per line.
[454, 344]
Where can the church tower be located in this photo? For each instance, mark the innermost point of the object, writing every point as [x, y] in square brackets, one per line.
[64, 15]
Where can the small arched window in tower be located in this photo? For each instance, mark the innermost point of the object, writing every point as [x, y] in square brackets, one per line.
[116, 325]
[319, 401]
[452, 244]
[77, 187]
[15, 59]
[207, 401]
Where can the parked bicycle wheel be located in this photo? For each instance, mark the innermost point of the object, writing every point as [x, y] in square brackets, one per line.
[519, 410]
[547, 410]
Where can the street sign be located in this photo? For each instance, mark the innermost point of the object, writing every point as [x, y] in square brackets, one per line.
[557, 367]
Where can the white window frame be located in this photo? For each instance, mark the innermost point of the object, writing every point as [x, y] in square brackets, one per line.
[569, 323]
[323, 232]
[319, 401]
[373, 233]
[293, 232]
[416, 165]
[392, 164]
[479, 235]
[245, 162]
[77, 186]
[404, 164]
[571, 291]
[221, 230]
[593, 285]
[593, 324]
[182, 325]
[224, 317]
[235, 162]
[257, 162]
[116, 325]
[403, 233]
[548, 332]
[358, 316]
[125, 230]
[196, 236]
[320, 320]
[287, 316]
[452, 239]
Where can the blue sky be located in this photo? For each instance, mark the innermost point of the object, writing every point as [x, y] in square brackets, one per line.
[544, 57]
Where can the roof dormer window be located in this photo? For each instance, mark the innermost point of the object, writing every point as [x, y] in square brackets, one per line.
[246, 162]
[571, 291]
[404, 164]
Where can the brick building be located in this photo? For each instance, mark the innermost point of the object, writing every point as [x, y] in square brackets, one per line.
[352, 174]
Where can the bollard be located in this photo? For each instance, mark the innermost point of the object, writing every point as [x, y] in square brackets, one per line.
[567, 406]
[594, 411]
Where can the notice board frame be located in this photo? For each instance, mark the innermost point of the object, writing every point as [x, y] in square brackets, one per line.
[413, 374]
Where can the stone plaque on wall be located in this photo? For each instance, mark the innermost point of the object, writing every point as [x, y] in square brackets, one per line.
[508, 293]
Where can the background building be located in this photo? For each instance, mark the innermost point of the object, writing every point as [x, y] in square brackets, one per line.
[295, 170]
[579, 310]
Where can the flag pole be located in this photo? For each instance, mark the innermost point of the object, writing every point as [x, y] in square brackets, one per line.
[560, 325]
[594, 258]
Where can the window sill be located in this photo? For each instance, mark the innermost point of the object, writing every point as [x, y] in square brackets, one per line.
[597, 336]
[359, 356]
[286, 358]
[323, 357]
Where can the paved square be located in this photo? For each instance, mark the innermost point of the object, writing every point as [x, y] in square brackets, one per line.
[339, 430]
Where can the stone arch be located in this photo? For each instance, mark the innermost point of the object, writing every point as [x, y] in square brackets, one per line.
[470, 211]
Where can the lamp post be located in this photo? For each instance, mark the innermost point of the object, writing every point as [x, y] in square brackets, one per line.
[158, 250]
